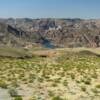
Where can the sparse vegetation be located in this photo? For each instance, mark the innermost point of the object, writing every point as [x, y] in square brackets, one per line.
[54, 78]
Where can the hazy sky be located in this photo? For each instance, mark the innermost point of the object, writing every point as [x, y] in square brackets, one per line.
[50, 8]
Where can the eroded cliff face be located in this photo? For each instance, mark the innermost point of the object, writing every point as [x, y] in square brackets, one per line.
[50, 32]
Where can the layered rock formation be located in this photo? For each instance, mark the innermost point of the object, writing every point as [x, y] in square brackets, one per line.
[50, 32]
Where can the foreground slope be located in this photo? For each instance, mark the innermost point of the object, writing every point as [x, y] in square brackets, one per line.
[70, 74]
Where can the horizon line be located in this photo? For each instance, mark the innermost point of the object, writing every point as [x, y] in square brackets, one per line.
[50, 18]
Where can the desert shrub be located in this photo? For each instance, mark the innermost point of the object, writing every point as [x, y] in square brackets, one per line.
[18, 98]
[98, 86]
[65, 83]
[87, 82]
[32, 98]
[72, 76]
[94, 90]
[50, 93]
[13, 92]
[83, 88]
[40, 79]
[3, 84]
[54, 84]
[15, 84]
[57, 98]
[94, 76]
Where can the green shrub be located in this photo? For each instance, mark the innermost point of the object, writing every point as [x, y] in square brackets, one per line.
[57, 98]
[18, 98]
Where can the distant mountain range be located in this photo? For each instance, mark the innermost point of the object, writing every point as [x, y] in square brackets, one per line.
[50, 33]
